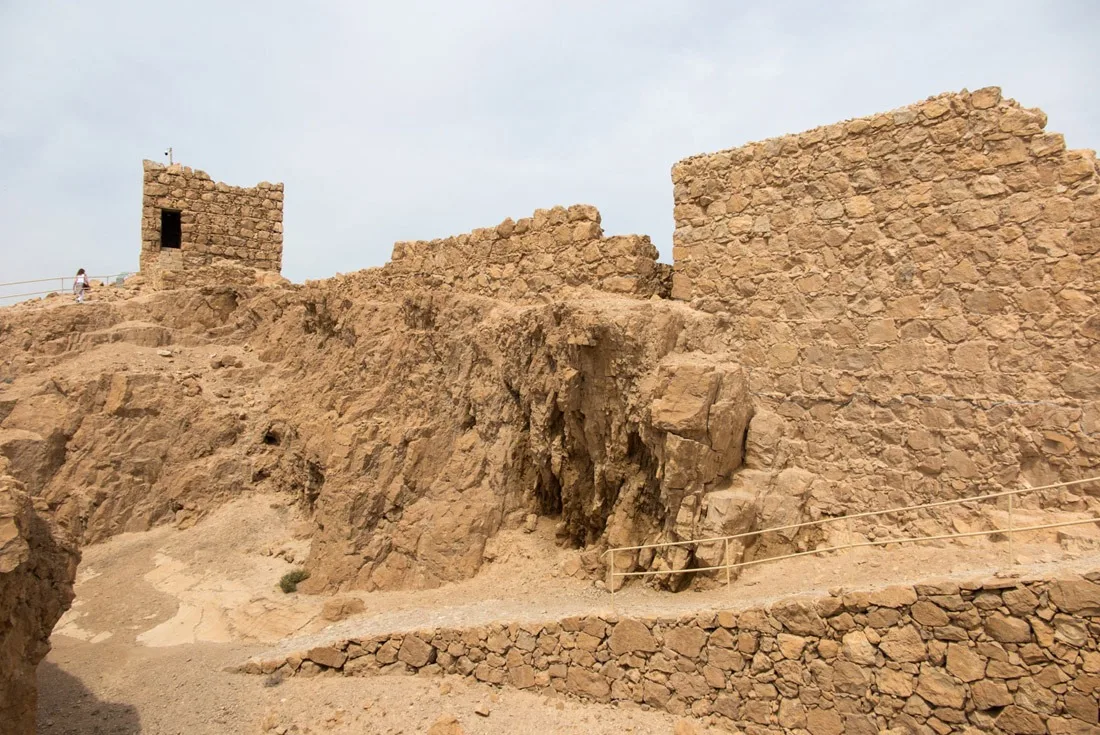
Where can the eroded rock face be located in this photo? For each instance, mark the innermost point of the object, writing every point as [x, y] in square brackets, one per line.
[37, 570]
[411, 424]
[454, 416]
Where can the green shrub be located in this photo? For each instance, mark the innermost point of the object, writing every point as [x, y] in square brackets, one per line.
[290, 580]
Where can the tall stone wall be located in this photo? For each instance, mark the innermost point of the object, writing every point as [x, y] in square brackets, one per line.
[913, 293]
[553, 249]
[218, 221]
[999, 656]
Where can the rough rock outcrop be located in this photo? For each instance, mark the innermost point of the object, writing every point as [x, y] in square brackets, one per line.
[451, 416]
[412, 424]
[37, 569]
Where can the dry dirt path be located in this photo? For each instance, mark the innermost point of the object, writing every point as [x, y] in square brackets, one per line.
[160, 615]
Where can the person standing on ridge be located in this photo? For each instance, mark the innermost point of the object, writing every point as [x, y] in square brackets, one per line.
[80, 285]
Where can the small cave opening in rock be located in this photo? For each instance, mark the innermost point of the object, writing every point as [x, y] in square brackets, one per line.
[271, 438]
[548, 494]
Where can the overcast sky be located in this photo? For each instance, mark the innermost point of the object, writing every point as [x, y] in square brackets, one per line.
[412, 120]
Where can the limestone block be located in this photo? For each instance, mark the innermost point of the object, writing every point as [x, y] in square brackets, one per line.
[631, 636]
[1076, 596]
[799, 618]
[1019, 721]
[857, 649]
[824, 722]
[1007, 630]
[587, 683]
[687, 641]
[904, 645]
[894, 682]
[327, 656]
[415, 652]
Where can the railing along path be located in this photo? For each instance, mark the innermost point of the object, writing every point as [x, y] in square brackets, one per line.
[58, 279]
[612, 574]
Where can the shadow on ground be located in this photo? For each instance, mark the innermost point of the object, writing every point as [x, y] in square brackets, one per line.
[67, 707]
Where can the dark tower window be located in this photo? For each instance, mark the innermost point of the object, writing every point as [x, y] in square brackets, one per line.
[170, 233]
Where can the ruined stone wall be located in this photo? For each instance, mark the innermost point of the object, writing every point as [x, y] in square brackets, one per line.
[913, 293]
[218, 221]
[552, 249]
[1000, 656]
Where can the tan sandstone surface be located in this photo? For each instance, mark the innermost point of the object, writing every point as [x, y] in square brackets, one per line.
[880, 312]
[37, 567]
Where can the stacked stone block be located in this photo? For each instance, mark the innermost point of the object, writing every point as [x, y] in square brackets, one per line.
[553, 249]
[914, 294]
[218, 221]
[999, 655]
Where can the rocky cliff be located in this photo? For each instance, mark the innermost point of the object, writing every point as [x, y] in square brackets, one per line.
[412, 424]
[37, 568]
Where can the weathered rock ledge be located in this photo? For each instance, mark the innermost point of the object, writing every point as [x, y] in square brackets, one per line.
[37, 570]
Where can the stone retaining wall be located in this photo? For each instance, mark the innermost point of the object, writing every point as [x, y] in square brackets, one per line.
[998, 656]
[218, 221]
[914, 294]
[554, 248]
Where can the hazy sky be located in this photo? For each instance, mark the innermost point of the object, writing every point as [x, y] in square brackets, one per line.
[412, 120]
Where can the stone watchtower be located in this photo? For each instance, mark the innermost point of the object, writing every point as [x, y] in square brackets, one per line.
[189, 220]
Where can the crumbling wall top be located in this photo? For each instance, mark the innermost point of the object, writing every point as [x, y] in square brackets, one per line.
[554, 248]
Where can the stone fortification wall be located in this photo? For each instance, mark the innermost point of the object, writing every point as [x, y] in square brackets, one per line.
[999, 656]
[913, 293]
[218, 221]
[553, 249]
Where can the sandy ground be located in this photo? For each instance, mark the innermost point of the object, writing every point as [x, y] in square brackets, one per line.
[160, 615]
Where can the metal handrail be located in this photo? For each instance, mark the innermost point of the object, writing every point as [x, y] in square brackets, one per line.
[1012, 529]
[31, 293]
[62, 288]
[865, 514]
[36, 280]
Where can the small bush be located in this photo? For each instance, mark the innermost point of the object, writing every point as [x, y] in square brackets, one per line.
[290, 580]
[275, 679]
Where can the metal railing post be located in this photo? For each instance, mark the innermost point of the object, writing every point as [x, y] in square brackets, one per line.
[729, 584]
[1011, 553]
[611, 577]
